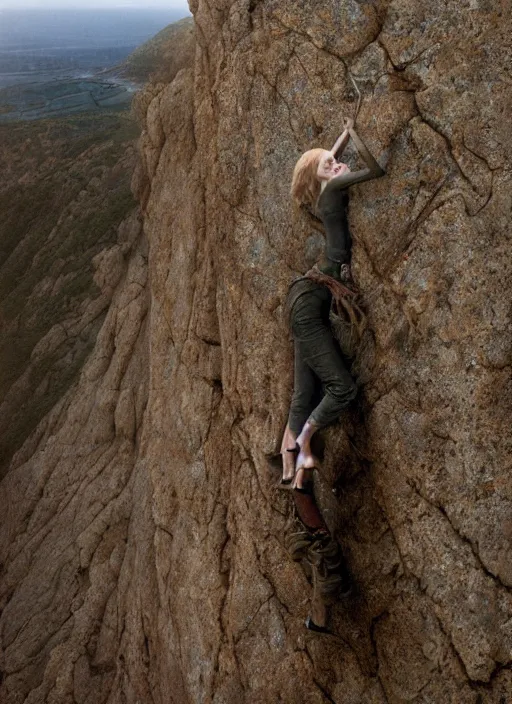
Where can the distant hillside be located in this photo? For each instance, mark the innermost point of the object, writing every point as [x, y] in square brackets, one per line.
[64, 190]
[163, 56]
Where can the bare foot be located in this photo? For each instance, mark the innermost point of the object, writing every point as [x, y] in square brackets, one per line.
[303, 476]
[306, 459]
[306, 462]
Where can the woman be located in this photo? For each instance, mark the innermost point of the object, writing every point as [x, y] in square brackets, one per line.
[321, 181]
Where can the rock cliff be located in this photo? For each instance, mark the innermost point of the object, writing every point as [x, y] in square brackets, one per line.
[142, 551]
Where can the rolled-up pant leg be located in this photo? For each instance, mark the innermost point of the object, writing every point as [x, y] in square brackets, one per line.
[318, 364]
[323, 357]
[304, 388]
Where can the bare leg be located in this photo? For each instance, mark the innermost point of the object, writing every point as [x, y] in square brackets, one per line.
[305, 459]
[288, 443]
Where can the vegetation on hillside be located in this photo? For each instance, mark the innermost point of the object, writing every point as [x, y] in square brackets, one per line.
[64, 189]
[164, 55]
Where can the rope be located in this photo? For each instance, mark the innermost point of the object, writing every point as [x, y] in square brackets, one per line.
[358, 99]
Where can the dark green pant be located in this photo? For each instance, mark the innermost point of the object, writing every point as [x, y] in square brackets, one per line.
[319, 365]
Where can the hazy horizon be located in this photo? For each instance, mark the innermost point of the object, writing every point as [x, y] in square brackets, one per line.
[41, 45]
[49, 5]
[26, 34]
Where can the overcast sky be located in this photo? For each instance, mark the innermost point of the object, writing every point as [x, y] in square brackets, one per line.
[181, 5]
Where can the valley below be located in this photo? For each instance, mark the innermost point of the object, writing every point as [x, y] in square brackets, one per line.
[33, 101]
[64, 190]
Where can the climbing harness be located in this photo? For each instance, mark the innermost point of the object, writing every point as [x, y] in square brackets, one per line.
[359, 97]
[347, 317]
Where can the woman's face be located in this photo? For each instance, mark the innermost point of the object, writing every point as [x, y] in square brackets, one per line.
[328, 167]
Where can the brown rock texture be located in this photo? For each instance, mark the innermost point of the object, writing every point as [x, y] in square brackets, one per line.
[142, 551]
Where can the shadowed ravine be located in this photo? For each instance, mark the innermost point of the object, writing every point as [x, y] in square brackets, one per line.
[142, 551]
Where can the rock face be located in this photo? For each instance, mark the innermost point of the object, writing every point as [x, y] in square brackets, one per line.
[143, 558]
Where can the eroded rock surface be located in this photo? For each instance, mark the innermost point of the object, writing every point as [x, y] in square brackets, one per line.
[143, 558]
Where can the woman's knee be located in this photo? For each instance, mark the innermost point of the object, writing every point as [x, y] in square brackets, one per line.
[343, 391]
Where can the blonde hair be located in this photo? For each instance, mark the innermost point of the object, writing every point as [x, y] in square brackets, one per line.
[305, 184]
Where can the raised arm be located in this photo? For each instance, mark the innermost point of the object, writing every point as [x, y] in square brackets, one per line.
[368, 159]
[342, 141]
[372, 170]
